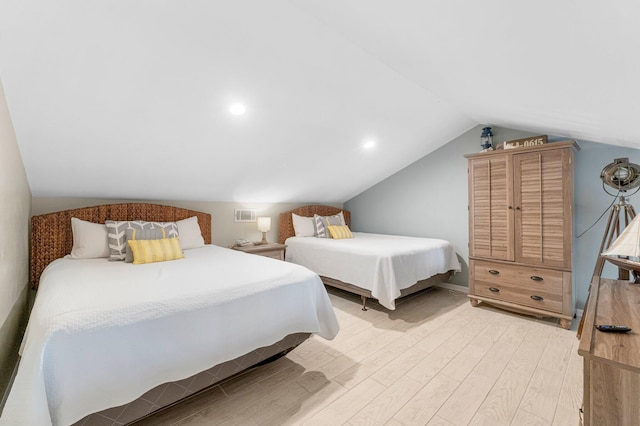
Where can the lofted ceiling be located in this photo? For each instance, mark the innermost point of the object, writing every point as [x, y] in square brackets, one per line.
[131, 98]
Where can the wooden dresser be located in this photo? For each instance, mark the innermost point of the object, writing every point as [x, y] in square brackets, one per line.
[611, 360]
[521, 229]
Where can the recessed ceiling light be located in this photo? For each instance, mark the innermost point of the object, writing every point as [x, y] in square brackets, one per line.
[369, 145]
[237, 109]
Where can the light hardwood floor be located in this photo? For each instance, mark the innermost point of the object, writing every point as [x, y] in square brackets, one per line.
[435, 360]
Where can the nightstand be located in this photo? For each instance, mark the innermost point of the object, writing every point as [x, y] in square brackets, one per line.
[273, 250]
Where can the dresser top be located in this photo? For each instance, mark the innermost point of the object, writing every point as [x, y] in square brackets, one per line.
[617, 303]
[258, 248]
[545, 147]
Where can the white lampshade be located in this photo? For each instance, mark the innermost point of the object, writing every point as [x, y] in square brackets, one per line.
[264, 224]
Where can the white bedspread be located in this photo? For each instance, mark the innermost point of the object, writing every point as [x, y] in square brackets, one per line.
[383, 264]
[102, 333]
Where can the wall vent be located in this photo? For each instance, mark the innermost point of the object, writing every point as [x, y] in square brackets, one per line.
[245, 215]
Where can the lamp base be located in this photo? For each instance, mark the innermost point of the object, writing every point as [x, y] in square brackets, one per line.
[264, 239]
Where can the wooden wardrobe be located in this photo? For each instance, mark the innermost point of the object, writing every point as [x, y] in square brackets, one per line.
[521, 228]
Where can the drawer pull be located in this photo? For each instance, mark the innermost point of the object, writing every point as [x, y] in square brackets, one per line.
[536, 278]
[495, 290]
[494, 272]
[538, 298]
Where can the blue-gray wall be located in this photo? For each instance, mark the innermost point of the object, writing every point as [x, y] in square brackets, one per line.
[590, 202]
[429, 198]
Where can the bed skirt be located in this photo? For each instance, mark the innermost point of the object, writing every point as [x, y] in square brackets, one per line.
[366, 294]
[167, 394]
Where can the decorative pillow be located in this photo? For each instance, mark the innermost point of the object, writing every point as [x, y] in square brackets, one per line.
[321, 223]
[340, 232]
[89, 239]
[150, 251]
[190, 233]
[142, 234]
[116, 233]
[303, 226]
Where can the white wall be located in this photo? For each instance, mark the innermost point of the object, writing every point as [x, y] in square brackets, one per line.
[15, 205]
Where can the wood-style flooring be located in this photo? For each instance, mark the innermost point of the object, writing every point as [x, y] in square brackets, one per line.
[435, 360]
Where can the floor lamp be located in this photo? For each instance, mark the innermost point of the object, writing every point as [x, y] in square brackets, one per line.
[623, 176]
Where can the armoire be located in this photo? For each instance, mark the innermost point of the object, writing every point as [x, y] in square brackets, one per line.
[521, 229]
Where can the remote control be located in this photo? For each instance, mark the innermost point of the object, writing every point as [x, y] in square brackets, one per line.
[613, 328]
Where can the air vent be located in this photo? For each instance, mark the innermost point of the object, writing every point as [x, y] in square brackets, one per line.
[245, 215]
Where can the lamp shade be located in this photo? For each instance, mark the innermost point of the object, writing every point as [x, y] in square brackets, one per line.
[264, 224]
[621, 174]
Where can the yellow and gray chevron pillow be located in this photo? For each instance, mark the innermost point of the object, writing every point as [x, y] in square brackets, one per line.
[151, 251]
[340, 232]
[322, 222]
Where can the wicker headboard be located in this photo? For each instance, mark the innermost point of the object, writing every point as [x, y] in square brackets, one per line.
[285, 222]
[52, 238]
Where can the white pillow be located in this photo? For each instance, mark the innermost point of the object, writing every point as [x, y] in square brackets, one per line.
[89, 240]
[303, 226]
[190, 234]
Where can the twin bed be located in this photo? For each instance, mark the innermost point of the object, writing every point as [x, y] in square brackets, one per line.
[111, 342]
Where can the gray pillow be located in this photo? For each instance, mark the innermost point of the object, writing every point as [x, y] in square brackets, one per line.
[117, 235]
[321, 224]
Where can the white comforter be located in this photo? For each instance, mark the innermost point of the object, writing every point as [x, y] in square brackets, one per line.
[383, 264]
[102, 333]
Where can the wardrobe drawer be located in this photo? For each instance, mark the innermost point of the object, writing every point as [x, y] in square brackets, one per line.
[522, 285]
[520, 277]
[521, 296]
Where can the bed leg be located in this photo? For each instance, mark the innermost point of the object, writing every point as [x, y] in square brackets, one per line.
[364, 303]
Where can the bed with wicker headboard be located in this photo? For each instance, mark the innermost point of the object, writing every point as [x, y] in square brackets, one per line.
[52, 239]
[286, 231]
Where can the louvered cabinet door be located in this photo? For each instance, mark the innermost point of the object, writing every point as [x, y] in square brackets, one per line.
[490, 219]
[542, 205]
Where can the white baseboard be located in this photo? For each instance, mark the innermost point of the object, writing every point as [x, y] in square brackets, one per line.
[455, 287]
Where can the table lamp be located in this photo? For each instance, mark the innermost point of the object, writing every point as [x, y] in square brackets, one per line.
[264, 225]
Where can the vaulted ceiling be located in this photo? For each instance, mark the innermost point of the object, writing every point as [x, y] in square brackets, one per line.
[131, 98]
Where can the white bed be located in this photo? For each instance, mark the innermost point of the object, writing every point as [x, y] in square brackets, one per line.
[102, 333]
[382, 264]
[387, 275]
